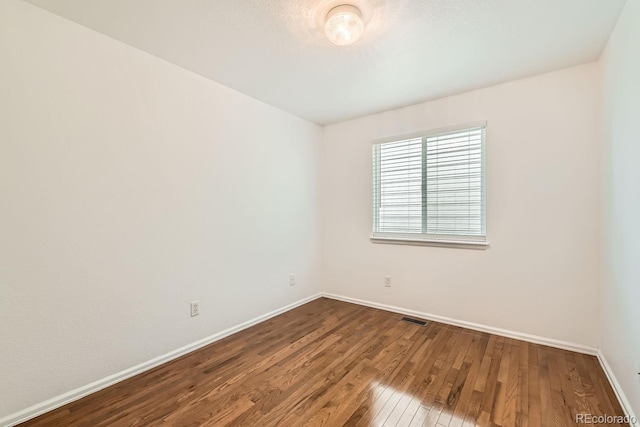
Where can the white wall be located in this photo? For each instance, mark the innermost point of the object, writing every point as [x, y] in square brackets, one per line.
[541, 273]
[620, 312]
[129, 187]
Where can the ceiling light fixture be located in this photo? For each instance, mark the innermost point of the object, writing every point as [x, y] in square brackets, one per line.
[344, 24]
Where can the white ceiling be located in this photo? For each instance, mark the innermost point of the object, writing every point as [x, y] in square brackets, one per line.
[411, 51]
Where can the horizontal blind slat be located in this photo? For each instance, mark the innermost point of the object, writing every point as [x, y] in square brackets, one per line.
[432, 185]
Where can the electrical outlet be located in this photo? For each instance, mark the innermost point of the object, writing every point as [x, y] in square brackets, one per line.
[387, 281]
[195, 308]
[292, 280]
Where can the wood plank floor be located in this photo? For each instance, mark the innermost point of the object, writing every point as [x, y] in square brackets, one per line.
[332, 363]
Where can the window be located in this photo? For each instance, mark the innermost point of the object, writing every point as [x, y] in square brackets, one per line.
[431, 187]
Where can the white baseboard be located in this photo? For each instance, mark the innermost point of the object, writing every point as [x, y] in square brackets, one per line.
[622, 398]
[73, 395]
[579, 348]
[78, 393]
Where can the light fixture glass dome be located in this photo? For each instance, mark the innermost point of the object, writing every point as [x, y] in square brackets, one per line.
[344, 24]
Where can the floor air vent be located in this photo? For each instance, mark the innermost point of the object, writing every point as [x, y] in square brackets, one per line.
[416, 321]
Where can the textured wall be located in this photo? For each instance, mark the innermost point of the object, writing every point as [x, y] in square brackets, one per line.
[620, 297]
[129, 187]
[541, 273]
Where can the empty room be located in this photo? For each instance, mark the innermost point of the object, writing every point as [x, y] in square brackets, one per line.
[291, 213]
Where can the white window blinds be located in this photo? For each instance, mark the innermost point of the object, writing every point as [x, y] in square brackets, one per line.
[431, 187]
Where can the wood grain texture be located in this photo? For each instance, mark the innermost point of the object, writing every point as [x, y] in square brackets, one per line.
[331, 363]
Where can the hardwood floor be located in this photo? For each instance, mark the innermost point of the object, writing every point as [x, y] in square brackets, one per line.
[332, 363]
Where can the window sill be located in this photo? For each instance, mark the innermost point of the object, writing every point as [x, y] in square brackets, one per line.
[424, 242]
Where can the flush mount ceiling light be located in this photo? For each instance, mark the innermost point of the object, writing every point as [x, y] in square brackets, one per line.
[344, 24]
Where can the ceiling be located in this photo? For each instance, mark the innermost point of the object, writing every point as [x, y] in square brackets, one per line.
[411, 51]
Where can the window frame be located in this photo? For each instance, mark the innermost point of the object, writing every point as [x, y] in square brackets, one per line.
[422, 239]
